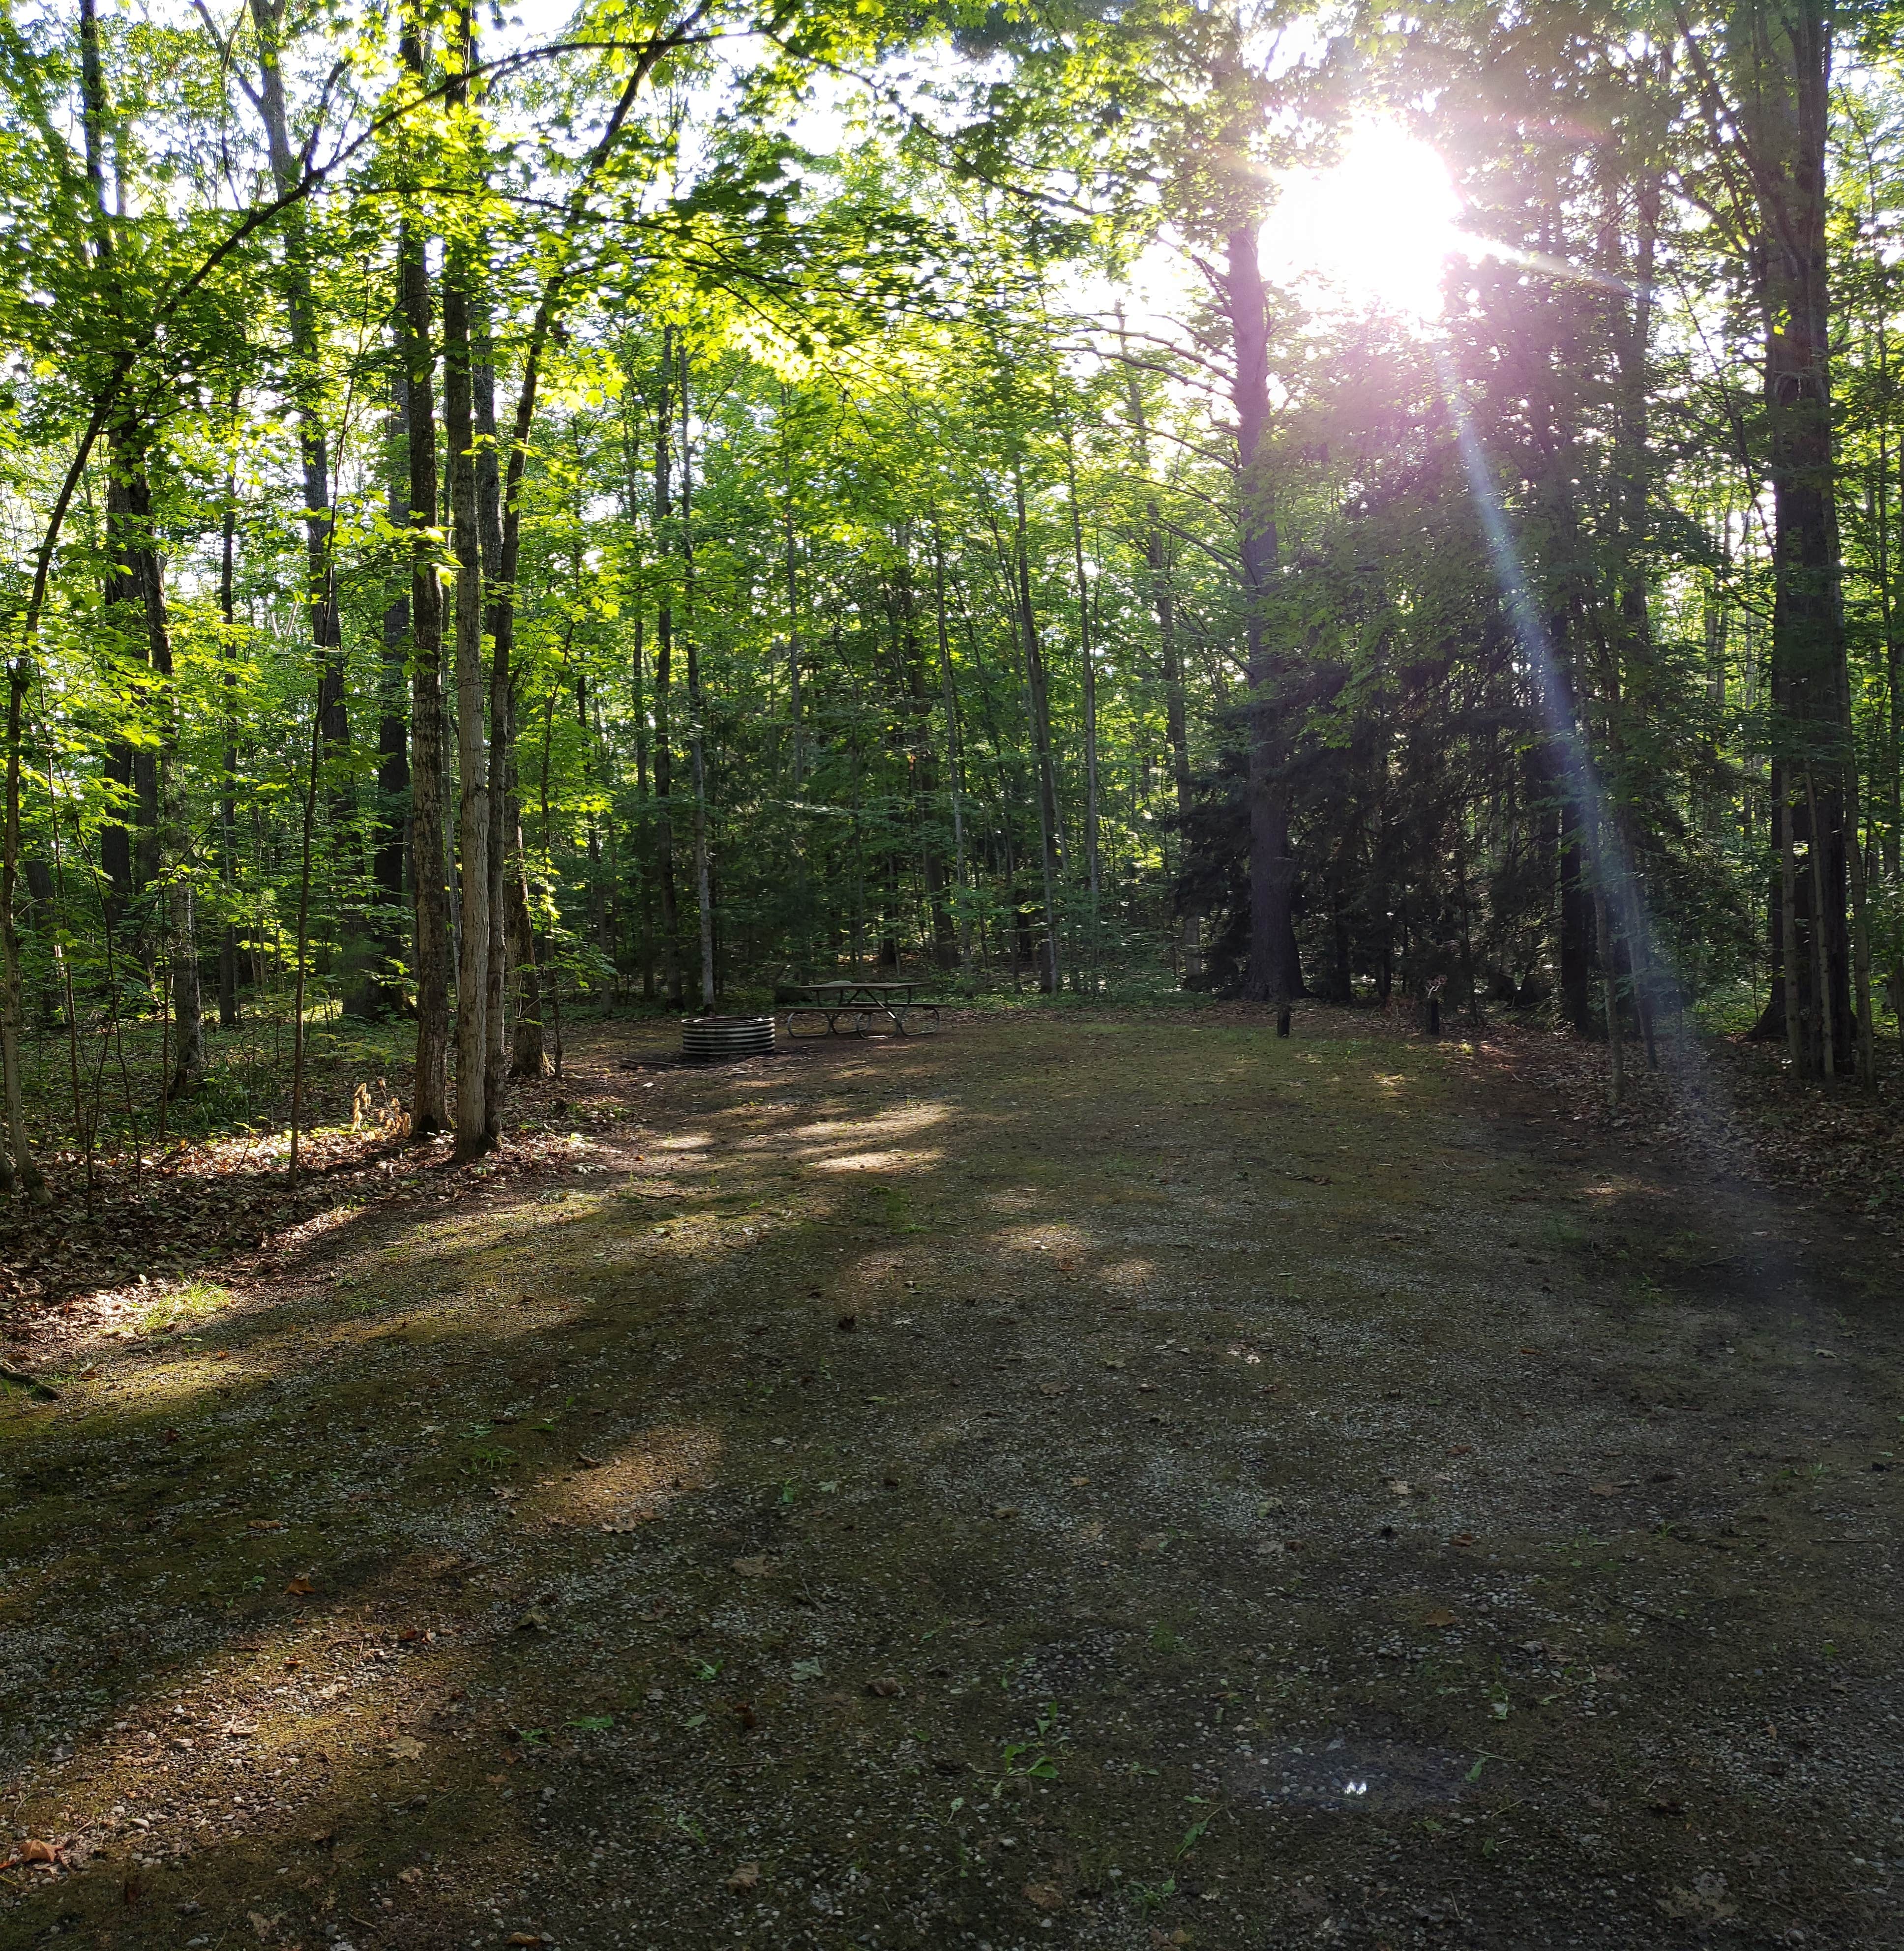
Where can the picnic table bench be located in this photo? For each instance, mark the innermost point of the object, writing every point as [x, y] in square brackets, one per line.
[864, 1003]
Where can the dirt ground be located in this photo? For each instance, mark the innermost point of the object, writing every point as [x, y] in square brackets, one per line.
[1076, 1480]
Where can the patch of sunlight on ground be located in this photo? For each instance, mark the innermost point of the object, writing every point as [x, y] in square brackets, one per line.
[682, 1141]
[1052, 1237]
[876, 1161]
[621, 1492]
[1128, 1272]
[147, 1310]
[900, 1117]
[298, 1706]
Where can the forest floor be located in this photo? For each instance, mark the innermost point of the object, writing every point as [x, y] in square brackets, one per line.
[1083, 1479]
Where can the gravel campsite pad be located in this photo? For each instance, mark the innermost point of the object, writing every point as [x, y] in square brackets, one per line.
[1080, 1480]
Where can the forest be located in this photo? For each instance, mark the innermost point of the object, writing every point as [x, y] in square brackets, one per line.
[511, 516]
[1316, 587]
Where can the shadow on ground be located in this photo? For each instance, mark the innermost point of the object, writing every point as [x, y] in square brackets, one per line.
[1089, 1481]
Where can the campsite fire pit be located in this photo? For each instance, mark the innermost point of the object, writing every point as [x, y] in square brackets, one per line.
[716, 1039]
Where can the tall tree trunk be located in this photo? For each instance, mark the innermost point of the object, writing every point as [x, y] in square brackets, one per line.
[1780, 57]
[17, 1166]
[1038, 703]
[1088, 666]
[181, 945]
[429, 1113]
[228, 758]
[796, 713]
[1576, 904]
[921, 760]
[504, 817]
[459, 271]
[127, 636]
[697, 700]
[324, 619]
[1157, 567]
[527, 1057]
[393, 742]
[644, 830]
[671, 981]
[472, 823]
[1275, 970]
[948, 691]
[115, 841]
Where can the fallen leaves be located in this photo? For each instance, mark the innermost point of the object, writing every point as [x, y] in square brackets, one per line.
[405, 1748]
[1462, 1539]
[33, 1852]
[299, 1588]
[762, 1567]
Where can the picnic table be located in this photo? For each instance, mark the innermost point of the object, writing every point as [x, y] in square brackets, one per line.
[864, 1003]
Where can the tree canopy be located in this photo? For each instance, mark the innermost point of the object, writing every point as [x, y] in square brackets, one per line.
[649, 506]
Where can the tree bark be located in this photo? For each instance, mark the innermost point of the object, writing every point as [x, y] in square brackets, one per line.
[1038, 704]
[948, 690]
[502, 817]
[1276, 972]
[697, 702]
[1779, 58]
[472, 823]
[671, 981]
[430, 1113]
[228, 759]
[18, 1167]
[393, 743]
[1088, 668]
[324, 620]
[527, 1058]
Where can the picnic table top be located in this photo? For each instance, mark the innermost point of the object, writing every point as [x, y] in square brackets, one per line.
[842, 988]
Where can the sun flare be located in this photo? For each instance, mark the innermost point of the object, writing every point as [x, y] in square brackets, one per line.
[1376, 229]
